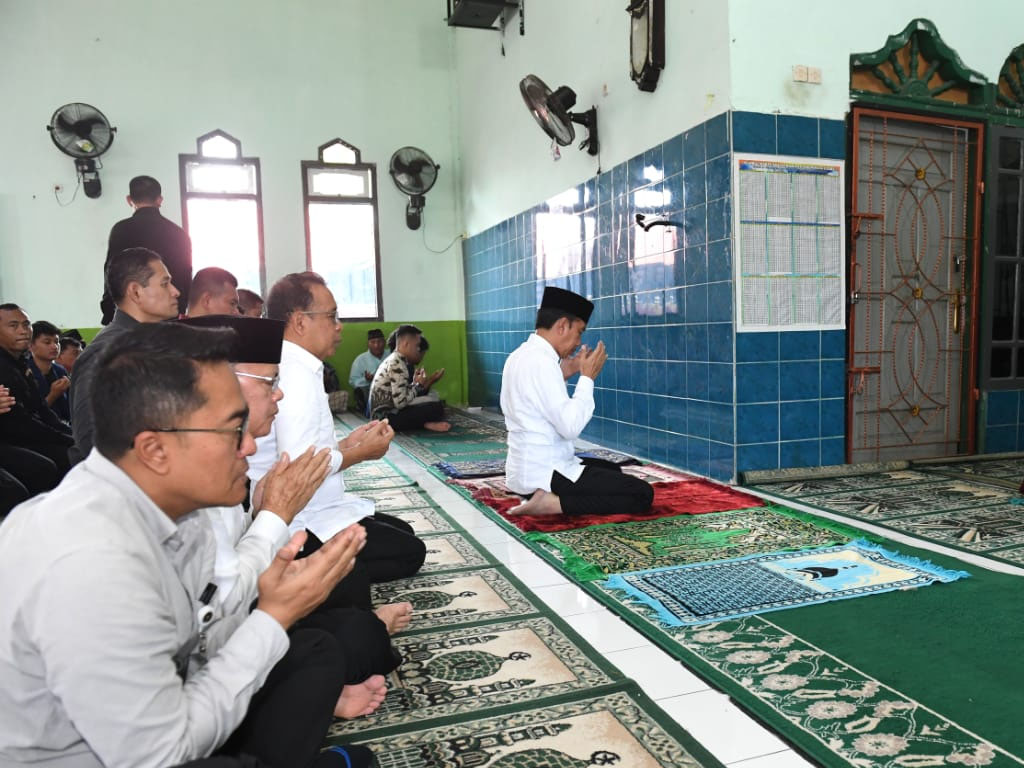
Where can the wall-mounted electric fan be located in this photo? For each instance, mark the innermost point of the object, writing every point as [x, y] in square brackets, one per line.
[414, 173]
[551, 111]
[84, 133]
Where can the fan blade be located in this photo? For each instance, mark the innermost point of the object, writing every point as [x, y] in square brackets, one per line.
[63, 124]
[412, 167]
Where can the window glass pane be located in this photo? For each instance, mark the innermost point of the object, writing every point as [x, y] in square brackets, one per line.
[221, 178]
[1001, 362]
[225, 233]
[1007, 214]
[1004, 294]
[218, 146]
[339, 153]
[338, 182]
[343, 248]
[1009, 153]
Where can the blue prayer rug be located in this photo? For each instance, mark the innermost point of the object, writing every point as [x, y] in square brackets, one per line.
[700, 593]
[473, 468]
[606, 454]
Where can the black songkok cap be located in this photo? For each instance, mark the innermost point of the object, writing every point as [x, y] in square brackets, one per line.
[568, 302]
[376, 333]
[259, 339]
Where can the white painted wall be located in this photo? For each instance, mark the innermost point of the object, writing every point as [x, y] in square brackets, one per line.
[769, 36]
[506, 163]
[282, 77]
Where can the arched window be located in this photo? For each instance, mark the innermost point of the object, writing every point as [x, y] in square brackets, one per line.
[339, 195]
[222, 208]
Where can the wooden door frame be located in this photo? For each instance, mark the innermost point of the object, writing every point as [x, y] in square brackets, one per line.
[970, 391]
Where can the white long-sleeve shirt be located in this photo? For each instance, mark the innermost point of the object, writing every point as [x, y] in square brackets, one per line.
[94, 627]
[542, 420]
[304, 419]
[238, 550]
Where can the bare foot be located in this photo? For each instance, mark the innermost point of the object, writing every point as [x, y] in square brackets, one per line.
[542, 503]
[396, 616]
[361, 698]
[437, 426]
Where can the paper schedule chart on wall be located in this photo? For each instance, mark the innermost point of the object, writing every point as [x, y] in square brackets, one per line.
[789, 239]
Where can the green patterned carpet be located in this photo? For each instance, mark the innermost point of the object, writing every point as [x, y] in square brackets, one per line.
[599, 550]
[491, 677]
[908, 678]
[959, 512]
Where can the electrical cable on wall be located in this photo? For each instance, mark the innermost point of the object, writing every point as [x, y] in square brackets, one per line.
[73, 196]
[447, 248]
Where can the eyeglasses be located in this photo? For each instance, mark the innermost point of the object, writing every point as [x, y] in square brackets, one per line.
[273, 381]
[240, 430]
[334, 316]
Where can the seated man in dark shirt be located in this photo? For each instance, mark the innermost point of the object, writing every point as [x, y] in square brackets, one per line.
[51, 377]
[404, 402]
[70, 348]
[30, 423]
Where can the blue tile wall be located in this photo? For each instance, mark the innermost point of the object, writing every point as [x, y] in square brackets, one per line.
[1003, 430]
[790, 386]
[680, 385]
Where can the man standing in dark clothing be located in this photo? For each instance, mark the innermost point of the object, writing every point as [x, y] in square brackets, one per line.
[147, 228]
[30, 423]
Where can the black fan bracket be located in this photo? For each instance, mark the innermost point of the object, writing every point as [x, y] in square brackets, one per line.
[588, 120]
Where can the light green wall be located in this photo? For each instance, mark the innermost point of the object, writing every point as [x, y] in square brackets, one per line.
[769, 36]
[447, 350]
[282, 77]
[506, 162]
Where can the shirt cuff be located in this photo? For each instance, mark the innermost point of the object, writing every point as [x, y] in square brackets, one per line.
[269, 527]
[336, 459]
[266, 626]
[584, 387]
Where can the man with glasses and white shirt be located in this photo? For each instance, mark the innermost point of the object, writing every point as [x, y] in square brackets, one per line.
[312, 332]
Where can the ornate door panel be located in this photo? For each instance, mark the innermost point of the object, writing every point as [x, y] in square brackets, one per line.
[913, 280]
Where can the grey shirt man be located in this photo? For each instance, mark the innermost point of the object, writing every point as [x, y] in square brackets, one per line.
[82, 382]
[97, 626]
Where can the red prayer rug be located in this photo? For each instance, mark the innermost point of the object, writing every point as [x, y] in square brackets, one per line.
[693, 496]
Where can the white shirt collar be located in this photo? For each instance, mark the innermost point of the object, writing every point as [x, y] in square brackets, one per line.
[157, 520]
[296, 354]
[542, 345]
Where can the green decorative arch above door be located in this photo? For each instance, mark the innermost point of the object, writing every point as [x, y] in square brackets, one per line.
[916, 68]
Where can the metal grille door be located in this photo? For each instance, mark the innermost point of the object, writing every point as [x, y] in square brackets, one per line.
[913, 278]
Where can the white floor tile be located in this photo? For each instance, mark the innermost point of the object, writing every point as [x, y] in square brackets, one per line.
[657, 673]
[720, 726]
[539, 574]
[606, 632]
[488, 534]
[785, 759]
[565, 599]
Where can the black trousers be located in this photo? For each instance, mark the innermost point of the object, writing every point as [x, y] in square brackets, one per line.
[34, 470]
[602, 489]
[56, 453]
[359, 757]
[392, 550]
[12, 492]
[362, 638]
[289, 716]
[415, 416]
[359, 397]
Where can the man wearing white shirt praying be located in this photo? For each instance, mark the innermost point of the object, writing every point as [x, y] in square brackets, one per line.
[97, 627]
[543, 421]
[312, 332]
